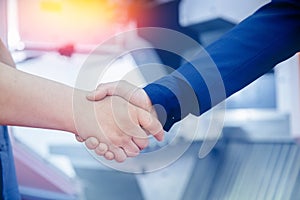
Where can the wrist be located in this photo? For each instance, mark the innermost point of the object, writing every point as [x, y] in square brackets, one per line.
[77, 107]
[84, 118]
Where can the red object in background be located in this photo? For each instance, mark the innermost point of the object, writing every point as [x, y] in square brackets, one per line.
[67, 50]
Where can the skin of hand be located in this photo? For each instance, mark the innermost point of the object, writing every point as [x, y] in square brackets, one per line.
[130, 93]
[120, 123]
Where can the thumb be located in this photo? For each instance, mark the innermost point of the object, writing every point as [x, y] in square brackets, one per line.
[159, 136]
[150, 124]
[101, 92]
[124, 89]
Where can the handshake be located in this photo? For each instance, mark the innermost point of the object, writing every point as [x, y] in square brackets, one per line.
[114, 120]
[121, 121]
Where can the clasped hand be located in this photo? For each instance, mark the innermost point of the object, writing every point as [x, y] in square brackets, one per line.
[125, 118]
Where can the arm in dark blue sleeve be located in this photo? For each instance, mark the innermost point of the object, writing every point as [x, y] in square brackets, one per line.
[251, 49]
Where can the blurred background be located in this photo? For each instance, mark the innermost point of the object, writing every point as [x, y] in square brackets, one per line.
[256, 157]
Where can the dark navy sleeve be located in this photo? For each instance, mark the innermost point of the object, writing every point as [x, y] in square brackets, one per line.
[251, 49]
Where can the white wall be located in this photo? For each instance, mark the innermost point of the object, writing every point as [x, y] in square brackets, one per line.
[195, 11]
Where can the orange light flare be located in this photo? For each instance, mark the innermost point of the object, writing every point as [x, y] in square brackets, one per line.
[70, 21]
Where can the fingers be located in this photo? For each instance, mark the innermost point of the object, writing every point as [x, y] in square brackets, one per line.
[141, 143]
[115, 153]
[101, 149]
[131, 149]
[150, 124]
[129, 134]
[125, 142]
[124, 89]
[103, 90]
[109, 155]
[110, 152]
[91, 143]
[135, 96]
[159, 136]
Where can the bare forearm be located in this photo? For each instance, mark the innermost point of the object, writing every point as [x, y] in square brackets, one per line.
[28, 100]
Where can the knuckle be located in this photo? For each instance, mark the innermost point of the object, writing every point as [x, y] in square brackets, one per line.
[121, 140]
[109, 155]
[91, 143]
[120, 155]
[143, 143]
[125, 140]
[118, 141]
